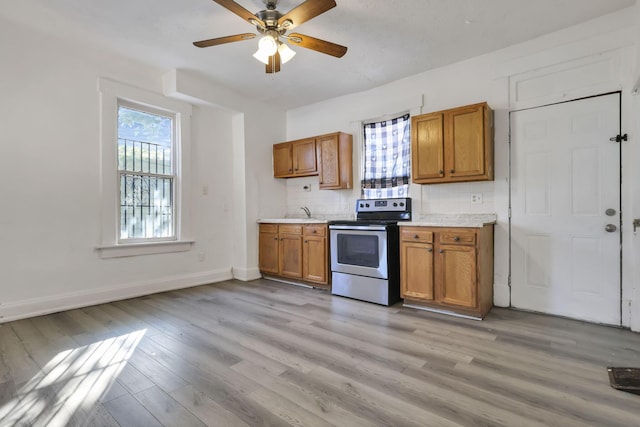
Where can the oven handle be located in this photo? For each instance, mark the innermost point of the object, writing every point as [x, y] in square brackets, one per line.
[358, 227]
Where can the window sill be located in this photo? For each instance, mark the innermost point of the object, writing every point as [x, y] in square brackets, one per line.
[149, 248]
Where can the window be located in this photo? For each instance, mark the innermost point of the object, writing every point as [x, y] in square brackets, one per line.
[145, 153]
[387, 158]
[146, 172]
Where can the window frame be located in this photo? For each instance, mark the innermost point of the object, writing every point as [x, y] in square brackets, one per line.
[175, 142]
[111, 95]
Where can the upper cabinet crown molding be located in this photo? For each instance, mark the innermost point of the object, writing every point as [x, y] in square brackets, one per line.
[453, 145]
[329, 156]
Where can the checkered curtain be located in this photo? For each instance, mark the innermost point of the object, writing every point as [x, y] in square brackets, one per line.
[387, 158]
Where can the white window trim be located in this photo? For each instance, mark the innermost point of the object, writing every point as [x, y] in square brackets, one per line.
[109, 246]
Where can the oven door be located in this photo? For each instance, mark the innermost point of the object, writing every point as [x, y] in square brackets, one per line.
[359, 250]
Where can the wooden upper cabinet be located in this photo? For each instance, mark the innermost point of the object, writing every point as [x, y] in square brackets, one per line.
[335, 158]
[328, 156]
[304, 157]
[282, 160]
[427, 146]
[453, 145]
[295, 158]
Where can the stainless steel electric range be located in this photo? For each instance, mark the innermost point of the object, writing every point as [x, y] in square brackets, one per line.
[365, 253]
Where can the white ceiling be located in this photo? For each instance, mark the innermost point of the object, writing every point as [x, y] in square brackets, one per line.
[387, 40]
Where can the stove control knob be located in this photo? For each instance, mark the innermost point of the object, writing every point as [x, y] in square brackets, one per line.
[395, 204]
[361, 205]
[367, 204]
[401, 203]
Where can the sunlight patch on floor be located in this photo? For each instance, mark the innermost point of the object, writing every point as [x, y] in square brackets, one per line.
[72, 381]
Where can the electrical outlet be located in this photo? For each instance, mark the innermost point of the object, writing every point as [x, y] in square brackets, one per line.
[476, 199]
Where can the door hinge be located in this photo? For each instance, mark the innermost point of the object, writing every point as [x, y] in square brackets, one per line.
[618, 138]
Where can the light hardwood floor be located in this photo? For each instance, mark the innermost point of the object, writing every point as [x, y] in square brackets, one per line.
[266, 353]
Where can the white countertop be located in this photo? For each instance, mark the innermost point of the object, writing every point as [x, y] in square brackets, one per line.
[475, 220]
[293, 220]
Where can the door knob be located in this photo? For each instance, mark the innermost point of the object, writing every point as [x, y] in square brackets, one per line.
[610, 228]
[610, 212]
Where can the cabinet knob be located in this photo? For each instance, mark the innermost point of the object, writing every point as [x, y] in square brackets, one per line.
[306, 241]
[456, 239]
[453, 171]
[416, 237]
[275, 238]
[441, 172]
[429, 250]
[441, 251]
[290, 170]
[315, 231]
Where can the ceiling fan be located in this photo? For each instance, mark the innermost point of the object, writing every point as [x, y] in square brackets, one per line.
[273, 25]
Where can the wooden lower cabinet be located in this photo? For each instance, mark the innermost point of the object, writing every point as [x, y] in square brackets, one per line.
[448, 269]
[268, 249]
[295, 252]
[290, 253]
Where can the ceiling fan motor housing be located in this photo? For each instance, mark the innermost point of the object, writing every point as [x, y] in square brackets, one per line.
[270, 19]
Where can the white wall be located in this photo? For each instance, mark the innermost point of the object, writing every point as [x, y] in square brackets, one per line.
[489, 78]
[49, 161]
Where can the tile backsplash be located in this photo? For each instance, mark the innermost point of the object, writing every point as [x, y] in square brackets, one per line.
[427, 199]
[457, 197]
[322, 203]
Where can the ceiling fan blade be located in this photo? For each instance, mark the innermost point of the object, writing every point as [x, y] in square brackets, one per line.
[304, 12]
[240, 11]
[318, 45]
[223, 40]
[274, 64]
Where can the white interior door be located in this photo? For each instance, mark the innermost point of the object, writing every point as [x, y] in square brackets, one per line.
[565, 200]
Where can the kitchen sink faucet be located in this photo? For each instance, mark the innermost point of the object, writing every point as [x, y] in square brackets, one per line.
[307, 211]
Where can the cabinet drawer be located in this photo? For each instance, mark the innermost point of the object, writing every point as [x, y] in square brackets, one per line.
[290, 229]
[457, 237]
[315, 230]
[416, 234]
[268, 228]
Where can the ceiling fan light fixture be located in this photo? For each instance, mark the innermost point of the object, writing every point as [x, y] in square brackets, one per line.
[286, 53]
[261, 56]
[268, 45]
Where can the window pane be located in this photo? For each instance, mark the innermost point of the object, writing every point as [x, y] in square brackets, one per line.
[146, 207]
[144, 141]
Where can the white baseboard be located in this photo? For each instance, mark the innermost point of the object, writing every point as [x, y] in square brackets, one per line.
[246, 274]
[53, 304]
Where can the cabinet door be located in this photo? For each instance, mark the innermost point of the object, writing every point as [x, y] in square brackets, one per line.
[458, 275]
[465, 150]
[427, 146]
[304, 157]
[329, 170]
[314, 255]
[282, 160]
[290, 254]
[268, 252]
[416, 270]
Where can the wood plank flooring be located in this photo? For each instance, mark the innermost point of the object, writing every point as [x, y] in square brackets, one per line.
[265, 353]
